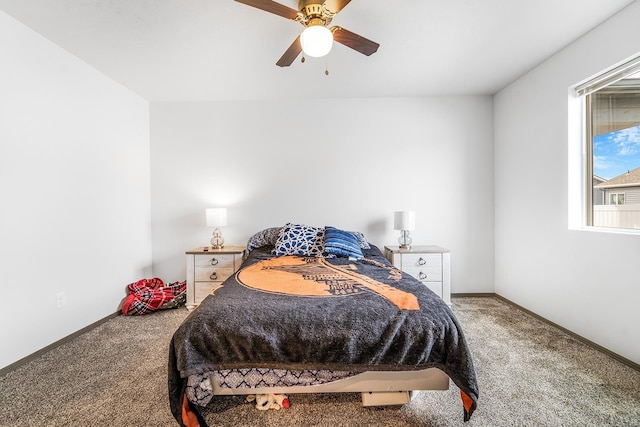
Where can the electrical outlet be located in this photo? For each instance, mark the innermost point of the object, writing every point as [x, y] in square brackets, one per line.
[61, 300]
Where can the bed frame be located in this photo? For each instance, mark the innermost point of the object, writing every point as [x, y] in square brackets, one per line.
[377, 388]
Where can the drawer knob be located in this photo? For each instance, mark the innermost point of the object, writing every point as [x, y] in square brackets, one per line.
[421, 261]
[213, 276]
[422, 276]
[214, 261]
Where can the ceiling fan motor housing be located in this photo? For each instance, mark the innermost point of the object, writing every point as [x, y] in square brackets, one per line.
[312, 9]
[314, 13]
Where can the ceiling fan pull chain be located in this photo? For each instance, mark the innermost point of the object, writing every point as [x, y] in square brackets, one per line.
[326, 66]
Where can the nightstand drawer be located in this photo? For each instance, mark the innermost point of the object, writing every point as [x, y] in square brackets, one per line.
[218, 261]
[212, 274]
[424, 267]
[202, 289]
[435, 287]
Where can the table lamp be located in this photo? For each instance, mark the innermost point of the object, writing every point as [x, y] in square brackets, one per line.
[217, 217]
[404, 221]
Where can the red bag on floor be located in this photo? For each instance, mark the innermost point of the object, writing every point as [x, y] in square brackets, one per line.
[148, 295]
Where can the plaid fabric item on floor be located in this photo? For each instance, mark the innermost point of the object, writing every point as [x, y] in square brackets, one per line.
[148, 295]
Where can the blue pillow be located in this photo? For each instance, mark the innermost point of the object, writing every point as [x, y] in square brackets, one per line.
[341, 243]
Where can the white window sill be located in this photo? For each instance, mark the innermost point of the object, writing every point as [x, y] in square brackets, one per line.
[627, 231]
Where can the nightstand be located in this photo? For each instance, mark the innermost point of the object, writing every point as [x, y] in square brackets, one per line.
[429, 264]
[207, 268]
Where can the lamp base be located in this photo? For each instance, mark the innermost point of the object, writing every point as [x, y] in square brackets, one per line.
[217, 242]
[405, 240]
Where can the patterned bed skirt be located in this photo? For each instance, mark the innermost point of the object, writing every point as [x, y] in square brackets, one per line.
[200, 389]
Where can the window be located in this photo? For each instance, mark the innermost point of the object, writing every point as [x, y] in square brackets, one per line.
[611, 132]
[616, 199]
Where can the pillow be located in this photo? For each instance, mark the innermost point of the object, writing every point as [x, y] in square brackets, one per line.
[298, 239]
[342, 243]
[361, 240]
[268, 236]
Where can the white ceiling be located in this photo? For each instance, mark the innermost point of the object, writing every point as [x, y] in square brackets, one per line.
[184, 50]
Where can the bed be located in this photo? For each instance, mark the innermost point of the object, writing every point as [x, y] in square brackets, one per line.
[315, 310]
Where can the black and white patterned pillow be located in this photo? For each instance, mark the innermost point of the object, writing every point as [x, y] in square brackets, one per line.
[301, 240]
[268, 236]
[362, 241]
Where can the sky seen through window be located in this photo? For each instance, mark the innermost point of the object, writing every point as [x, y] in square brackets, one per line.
[616, 152]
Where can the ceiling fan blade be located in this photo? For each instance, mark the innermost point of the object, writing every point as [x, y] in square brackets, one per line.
[335, 6]
[354, 41]
[291, 54]
[273, 7]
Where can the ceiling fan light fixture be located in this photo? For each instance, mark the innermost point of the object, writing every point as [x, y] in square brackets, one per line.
[316, 40]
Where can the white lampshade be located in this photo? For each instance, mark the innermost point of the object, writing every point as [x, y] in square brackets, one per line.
[316, 40]
[404, 220]
[216, 217]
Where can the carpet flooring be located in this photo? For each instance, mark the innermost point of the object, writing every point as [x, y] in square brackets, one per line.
[529, 373]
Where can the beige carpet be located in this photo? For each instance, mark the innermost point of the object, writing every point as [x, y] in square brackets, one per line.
[530, 374]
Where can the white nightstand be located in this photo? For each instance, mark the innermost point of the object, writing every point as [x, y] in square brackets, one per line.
[207, 268]
[429, 264]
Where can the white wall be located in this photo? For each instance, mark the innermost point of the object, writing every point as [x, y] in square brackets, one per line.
[343, 162]
[74, 192]
[585, 281]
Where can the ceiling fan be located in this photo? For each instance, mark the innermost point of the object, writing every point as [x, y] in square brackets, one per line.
[316, 39]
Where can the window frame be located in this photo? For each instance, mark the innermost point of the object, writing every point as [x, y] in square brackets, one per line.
[581, 208]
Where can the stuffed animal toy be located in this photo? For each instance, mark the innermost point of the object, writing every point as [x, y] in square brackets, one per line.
[282, 400]
[269, 401]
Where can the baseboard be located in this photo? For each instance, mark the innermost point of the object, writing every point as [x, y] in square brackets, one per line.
[4, 371]
[471, 294]
[580, 338]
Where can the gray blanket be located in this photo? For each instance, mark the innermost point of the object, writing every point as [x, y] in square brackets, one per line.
[316, 313]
